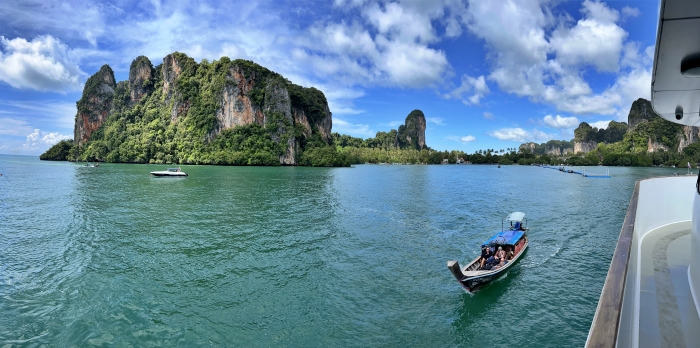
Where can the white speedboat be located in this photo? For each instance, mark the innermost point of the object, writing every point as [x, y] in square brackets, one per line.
[169, 172]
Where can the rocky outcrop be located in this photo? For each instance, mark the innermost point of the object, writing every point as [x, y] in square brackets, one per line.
[653, 146]
[412, 133]
[236, 107]
[558, 151]
[211, 97]
[171, 70]
[527, 147]
[640, 111]
[140, 78]
[584, 146]
[688, 135]
[246, 99]
[325, 125]
[94, 105]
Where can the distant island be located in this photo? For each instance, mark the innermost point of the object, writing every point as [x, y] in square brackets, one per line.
[228, 112]
[645, 140]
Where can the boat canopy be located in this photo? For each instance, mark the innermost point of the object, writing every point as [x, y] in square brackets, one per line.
[516, 216]
[505, 237]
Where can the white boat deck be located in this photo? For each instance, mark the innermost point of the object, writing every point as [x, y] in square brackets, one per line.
[667, 314]
[647, 299]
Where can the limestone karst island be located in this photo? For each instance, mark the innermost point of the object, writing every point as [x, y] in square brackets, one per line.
[236, 112]
[221, 112]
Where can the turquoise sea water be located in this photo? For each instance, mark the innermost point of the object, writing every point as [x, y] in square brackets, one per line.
[307, 257]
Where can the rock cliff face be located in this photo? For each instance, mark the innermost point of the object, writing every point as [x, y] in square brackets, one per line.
[95, 104]
[236, 107]
[241, 105]
[584, 146]
[211, 98]
[551, 148]
[171, 70]
[527, 147]
[653, 146]
[640, 111]
[558, 151]
[689, 135]
[140, 78]
[412, 133]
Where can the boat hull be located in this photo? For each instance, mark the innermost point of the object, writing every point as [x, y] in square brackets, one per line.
[471, 283]
[168, 174]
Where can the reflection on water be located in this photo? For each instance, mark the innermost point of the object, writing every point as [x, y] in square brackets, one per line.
[255, 256]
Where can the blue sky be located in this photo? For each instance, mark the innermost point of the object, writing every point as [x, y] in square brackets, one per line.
[487, 74]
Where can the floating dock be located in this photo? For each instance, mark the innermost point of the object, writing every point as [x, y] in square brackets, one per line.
[582, 173]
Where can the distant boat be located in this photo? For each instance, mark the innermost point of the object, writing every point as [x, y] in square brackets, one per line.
[512, 240]
[169, 172]
[499, 165]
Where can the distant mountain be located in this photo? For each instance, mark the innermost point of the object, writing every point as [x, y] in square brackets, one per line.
[410, 135]
[645, 131]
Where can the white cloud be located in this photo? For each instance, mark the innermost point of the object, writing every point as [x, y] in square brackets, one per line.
[43, 64]
[345, 127]
[394, 124]
[628, 12]
[596, 39]
[559, 122]
[521, 135]
[48, 113]
[42, 141]
[463, 139]
[600, 124]
[537, 55]
[488, 115]
[401, 23]
[436, 120]
[476, 86]
[398, 55]
[12, 126]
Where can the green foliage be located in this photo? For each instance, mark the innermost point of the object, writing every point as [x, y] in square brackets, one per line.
[58, 152]
[614, 133]
[393, 155]
[326, 156]
[627, 160]
[311, 100]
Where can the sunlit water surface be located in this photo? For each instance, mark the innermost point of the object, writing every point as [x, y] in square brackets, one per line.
[289, 256]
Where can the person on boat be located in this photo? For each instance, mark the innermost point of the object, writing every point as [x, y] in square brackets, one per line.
[509, 254]
[500, 254]
[500, 264]
[485, 255]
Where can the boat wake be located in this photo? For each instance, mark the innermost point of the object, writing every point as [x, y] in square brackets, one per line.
[546, 259]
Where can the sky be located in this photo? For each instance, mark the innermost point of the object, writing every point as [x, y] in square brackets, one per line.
[486, 74]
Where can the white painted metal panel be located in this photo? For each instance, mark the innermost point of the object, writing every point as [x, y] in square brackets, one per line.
[677, 41]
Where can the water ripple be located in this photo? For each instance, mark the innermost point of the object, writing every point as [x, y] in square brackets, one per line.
[297, 256]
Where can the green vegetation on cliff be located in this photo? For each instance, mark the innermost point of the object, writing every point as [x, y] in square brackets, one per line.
[649, 140]
[615, 132]
[175, 113]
